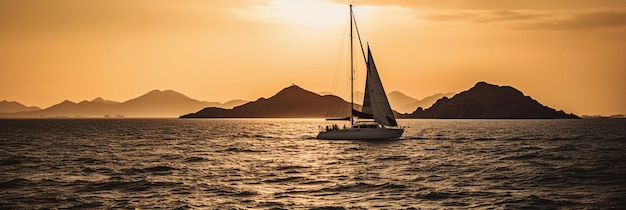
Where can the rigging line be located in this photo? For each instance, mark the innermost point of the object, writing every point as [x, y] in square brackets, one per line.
[339, 60]
[333, 89]
[359, 35]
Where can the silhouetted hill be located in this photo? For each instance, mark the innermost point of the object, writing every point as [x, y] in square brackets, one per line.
[290, 102]
[482, 101]
[487, 101]
[96, 108]
[158, 103]
[13, 107]
[83, 109]
[155, 103]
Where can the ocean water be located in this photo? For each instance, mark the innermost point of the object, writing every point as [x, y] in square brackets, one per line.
[277, 164]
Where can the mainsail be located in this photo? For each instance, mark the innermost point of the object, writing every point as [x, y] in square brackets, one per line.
[375, 101]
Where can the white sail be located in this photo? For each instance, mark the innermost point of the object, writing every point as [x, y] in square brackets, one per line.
[374, 90]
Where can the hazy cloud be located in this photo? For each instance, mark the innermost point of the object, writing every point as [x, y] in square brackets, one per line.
[42, 17]
[588, 20]
[449, 17]
[482, 16]
[507, 15]
[496, 4]
[538, 20]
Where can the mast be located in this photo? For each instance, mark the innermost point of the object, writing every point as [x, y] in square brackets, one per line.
[351, 70]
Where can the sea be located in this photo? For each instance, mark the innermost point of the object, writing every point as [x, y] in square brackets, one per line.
[278, 164]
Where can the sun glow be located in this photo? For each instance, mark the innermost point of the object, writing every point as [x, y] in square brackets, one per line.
[317, 14]
[298, 12]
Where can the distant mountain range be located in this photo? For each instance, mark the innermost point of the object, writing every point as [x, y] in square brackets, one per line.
[155, 103]
[13, 106]
[487, 101]
[405, 104]
[482, 101]
[401, 102]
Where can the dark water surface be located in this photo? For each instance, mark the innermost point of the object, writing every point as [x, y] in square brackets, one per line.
[276, 164]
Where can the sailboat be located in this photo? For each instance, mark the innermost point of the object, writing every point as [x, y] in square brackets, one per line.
[375, 120]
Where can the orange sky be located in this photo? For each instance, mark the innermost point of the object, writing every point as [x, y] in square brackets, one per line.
[567, 54]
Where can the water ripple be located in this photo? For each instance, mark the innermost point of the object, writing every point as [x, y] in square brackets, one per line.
[276, 164]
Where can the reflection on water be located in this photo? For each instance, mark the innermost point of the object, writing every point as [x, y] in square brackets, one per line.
[276, 163]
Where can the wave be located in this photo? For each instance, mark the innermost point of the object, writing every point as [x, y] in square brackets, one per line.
[141, 185]
[527, 156]
[529, 148]
[195, 159]
[563, 138]
[534, 202]
[430, 195]
[224, 190]
[252, 136]
[290, 167]
[159, 170]
[314, 182]
[284, 179]
[90, 205]
[11, 161]
[543, 156]
[272, 204]
[328, 208]
[15, 183]
[171, 157]
[19, 160]
[415, 138]
[393, 158]
[362, 187]
[234, 149]
[484, 139]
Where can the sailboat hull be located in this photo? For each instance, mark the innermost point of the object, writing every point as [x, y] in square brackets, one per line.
[361, 134]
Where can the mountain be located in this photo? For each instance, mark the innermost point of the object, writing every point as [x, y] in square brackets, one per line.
[405, 104]
[399, 101]
[487, 101]
[481, 101]
[425, 102]
[158, 103]
[292, 101]
[155, 103]
[96, 108]
[13, 107]
[70, 109]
